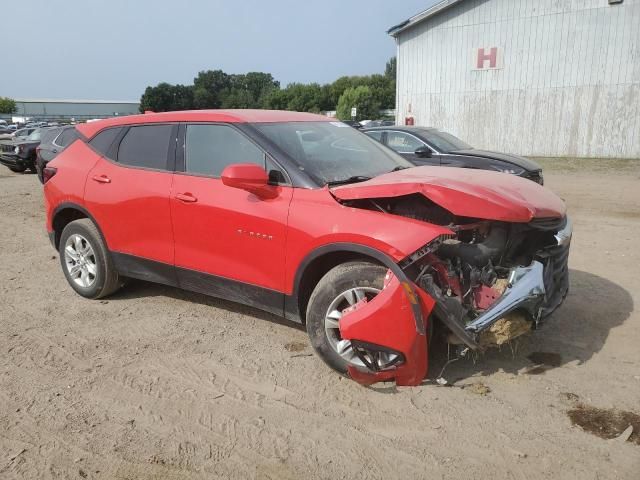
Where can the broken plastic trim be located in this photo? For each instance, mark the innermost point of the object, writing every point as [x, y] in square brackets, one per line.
[563, 237]
[525, 290]
[422, 251]
[376, 357]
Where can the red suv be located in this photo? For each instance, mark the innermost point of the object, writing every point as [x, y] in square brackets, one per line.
[305, 217]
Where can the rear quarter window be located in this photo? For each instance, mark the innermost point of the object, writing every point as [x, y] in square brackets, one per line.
[102, 141]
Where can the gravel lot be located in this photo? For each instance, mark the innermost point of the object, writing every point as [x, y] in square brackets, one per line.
[160, 383]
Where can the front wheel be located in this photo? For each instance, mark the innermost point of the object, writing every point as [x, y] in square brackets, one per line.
[340, 288]
[18, 168]
[86, 262]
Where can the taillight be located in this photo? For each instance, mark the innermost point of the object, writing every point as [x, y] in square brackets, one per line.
[37, 151]
[48, 173]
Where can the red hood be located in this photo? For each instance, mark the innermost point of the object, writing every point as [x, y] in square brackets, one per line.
[464, 192]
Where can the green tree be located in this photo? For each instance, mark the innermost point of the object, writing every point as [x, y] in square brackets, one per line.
[305, 97]
[209, 87]
[275, 99]
[390, 69]
[165, 97]
[7, 105]
[363, 99]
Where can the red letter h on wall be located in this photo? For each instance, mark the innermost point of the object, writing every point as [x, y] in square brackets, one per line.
[491, 56]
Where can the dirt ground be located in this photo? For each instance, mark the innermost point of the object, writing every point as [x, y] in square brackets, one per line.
[157, 383]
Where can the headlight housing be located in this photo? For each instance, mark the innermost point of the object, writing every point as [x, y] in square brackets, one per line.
[513, 170]
[17, 149]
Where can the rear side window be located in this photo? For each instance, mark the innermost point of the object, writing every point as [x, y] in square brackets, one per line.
[146, 146]
[49, 135]
[377, 134]
[210, 148]
[103, 140]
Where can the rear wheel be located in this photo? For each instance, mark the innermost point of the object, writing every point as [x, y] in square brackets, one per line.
[340, 288]
[86, 262]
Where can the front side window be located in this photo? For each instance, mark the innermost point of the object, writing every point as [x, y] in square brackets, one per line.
[146, 146]
[211, 148]
[331, 152]
[403, 142]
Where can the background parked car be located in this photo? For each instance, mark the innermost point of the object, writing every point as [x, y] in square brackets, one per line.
[10, 135]
[53, 142]
[430, 146]
[353, 123]
[18, 155]
[380, 123]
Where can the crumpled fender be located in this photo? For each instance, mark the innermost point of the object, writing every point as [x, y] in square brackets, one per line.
[388, 320]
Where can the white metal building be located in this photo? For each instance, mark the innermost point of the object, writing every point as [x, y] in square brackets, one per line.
[534, 77]
[53, 109]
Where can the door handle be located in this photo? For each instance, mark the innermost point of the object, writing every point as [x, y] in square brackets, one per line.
[101, 179]
[186, 198]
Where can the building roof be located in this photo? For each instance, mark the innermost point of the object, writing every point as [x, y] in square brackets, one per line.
[58, 100]
[420, 17]
[226, 116]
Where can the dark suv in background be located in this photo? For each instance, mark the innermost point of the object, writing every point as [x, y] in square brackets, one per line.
[20, 154]
[430, 146]
[53, 142]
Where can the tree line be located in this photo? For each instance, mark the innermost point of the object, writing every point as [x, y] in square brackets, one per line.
[217, 89]
[7, 105]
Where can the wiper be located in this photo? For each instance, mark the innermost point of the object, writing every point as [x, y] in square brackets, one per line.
[398, 168]
[353, 179]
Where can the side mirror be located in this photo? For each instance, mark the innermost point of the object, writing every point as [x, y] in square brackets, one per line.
[246, 176]
[423, 152]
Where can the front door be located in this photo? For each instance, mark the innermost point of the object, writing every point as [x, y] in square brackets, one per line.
[228, 241]
[406, 145]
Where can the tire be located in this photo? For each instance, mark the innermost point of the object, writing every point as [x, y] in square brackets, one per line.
[365, 276]
[101, 277]
[18, 169]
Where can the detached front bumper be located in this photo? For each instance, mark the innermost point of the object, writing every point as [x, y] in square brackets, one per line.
[388, 322]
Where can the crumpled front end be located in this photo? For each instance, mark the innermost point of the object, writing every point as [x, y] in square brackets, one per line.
[487, 283]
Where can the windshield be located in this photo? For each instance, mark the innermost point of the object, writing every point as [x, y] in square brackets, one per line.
[332, 152]
[444, 142]
[34, 136]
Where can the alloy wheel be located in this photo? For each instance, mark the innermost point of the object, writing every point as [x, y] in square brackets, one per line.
[80, 261]
[335, 313]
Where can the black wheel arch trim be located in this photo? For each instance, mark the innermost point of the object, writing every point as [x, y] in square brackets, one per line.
[291, 302]
[81, 209]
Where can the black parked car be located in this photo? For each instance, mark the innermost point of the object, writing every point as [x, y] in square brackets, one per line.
[430, 146]
[353, 123]
[53, 142]
[20, 154]
[380, 123]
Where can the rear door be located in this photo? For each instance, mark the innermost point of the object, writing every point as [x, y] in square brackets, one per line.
[127, 192]
[229, 242]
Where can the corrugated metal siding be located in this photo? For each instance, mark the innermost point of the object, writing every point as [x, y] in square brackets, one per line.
[569, 83]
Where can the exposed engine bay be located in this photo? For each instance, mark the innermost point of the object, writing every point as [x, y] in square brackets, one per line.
[492, 281]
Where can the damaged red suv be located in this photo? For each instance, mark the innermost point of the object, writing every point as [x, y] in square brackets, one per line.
[307, 218]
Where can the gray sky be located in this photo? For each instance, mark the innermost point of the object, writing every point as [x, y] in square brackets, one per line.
[113, 49]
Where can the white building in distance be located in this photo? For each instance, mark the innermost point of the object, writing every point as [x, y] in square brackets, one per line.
[549, 78]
